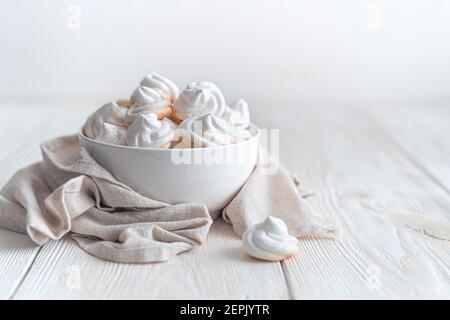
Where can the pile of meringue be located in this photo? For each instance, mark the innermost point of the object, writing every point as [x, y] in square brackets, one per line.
[157, 115]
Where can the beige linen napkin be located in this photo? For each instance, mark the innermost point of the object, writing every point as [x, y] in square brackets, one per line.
[279, 195]
[69, 192]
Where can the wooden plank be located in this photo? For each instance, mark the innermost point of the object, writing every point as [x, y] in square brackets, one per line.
[218, 270]
[327, 143]
[422, 133]
[17, 252]
[362, 180]
[22, 128]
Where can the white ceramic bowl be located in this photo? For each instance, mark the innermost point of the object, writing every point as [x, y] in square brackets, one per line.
[211, 176]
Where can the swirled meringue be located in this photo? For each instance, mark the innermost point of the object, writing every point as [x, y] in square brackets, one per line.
[216, 92]
[146, 100]
[171, 123]
[166, 88]
[206, 130]
[107, 124]
[269, 240]
[237, 114]
[198, 99]
[148, 132]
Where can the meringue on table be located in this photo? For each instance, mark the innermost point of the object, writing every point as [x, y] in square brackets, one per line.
[269, 240]
[107, 124]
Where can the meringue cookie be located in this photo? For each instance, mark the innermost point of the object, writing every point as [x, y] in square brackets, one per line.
[237, 114]
[269, 240]
[206, 131]
[146, 100]
[240, 135]
[171, 123]
[107, 124]
[198, 99]
[166, 88]
[214, 89]
[124, 103]
[143, 95]
[148, 132]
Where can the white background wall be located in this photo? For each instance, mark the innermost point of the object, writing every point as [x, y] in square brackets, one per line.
[259, 49]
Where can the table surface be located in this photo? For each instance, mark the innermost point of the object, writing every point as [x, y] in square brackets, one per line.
[365, 164]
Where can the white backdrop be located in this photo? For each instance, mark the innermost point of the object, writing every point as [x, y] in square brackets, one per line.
[258, 49]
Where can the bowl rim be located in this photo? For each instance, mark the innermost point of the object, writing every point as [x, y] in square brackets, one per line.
[233, 145]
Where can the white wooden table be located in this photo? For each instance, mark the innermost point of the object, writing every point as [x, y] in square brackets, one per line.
[364, 162]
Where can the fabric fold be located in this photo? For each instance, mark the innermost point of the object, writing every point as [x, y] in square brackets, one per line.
[276, 194]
